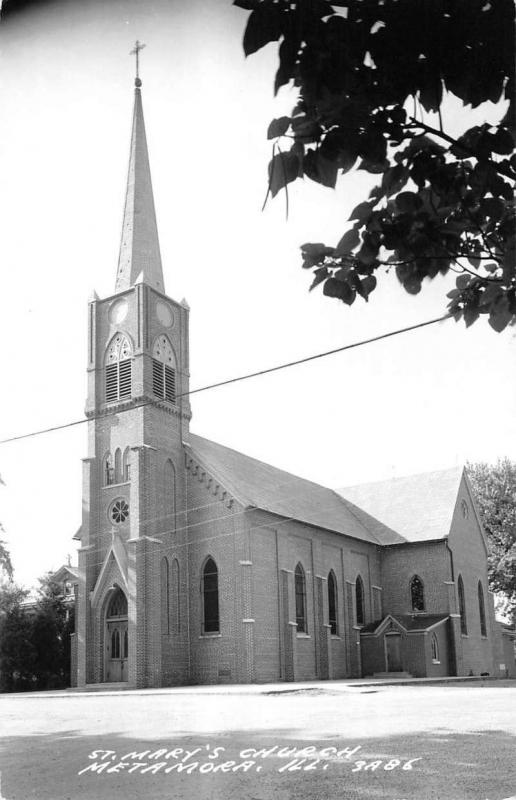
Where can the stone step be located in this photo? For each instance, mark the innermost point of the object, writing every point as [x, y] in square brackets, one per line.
[102, 687]
[392, 675]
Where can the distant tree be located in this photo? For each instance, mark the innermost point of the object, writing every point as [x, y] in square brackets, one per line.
[494, 486]
[52, 625]
[17, 652]
[5, 559]
[34, 639]
[368, 73]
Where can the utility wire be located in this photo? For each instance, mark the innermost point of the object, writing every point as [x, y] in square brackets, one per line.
[233, 380]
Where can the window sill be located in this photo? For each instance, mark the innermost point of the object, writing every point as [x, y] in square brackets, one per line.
[336, 636]
[114, 485]
[464, 635]
[210, 636]
[303, 636]
[435, 662]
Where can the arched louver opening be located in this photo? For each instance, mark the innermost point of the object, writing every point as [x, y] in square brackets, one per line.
[210, 597]
[417, 594]
[163, 370]
[118, 374]
[462, 607]
[359, 599]
[482, 610]
[300, 590]
[332, 604]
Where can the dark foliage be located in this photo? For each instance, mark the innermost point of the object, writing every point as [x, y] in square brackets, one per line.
[34, 640]
[368, 72]
[494, 486]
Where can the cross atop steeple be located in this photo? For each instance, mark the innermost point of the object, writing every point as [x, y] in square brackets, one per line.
[136, 52]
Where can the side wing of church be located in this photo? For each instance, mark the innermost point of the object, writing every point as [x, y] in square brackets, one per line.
[198, 564]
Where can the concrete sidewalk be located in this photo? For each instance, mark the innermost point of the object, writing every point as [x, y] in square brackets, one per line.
[283, 688]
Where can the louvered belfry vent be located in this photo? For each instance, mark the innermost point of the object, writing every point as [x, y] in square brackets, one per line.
[163, 370]
[111, 382]
[118, 369]
[157, 378]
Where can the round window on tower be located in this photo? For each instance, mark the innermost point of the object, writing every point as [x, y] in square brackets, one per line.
[119, 511]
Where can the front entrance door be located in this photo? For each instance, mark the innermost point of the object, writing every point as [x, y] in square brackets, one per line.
[393, 652]
[117, 651]
[116, 639]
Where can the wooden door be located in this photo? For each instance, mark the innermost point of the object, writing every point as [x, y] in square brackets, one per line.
[117, 651]
[393, 652]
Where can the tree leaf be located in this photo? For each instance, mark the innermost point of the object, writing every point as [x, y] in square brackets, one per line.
[278, 127]
[283, 169]
[263, 26]
[349, 241]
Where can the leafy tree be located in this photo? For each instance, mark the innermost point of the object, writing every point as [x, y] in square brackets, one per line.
[5, 559]
[17, 653]
[368, 73]
[52, 626]
[34, 639]
[494, 486]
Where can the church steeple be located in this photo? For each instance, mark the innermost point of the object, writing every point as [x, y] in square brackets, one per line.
[139, 246]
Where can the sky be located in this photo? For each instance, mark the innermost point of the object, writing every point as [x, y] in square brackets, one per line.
[420, 401]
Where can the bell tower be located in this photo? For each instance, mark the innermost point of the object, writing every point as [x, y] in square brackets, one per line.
[133, 478]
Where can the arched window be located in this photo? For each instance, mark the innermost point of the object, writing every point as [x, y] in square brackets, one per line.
[169, 496]
[126, 645]
[462, 607]
[126, 464]
[417, 594]
[210, 597]
[118, 465]
[435, 648]
[117, 605]
[108, 470]
[359, 597]
[118, 364]
[175, 606]
[332, 604]
[482, 610]
[165, 597]
[300, 589]
[163, 369]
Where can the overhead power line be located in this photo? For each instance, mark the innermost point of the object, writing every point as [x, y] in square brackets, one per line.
[237, 379]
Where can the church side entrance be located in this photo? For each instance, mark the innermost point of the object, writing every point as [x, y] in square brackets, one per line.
[393, 652]
[116, 639]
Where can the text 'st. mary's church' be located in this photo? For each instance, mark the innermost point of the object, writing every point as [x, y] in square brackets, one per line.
[198, 564]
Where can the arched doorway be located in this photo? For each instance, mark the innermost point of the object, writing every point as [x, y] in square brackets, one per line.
[116, 638]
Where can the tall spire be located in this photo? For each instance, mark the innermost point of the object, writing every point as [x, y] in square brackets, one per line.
[139, 246]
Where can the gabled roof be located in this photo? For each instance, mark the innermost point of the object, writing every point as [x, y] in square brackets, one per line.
[258, 485]
[417, 508]
[410, 623]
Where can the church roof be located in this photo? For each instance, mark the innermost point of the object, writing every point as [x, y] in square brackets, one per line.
[139, 245]
[256, 484]
[417, 508]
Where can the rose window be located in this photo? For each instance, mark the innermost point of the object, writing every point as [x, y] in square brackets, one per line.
[119, 511]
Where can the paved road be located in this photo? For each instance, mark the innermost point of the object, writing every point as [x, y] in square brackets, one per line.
[329, 742]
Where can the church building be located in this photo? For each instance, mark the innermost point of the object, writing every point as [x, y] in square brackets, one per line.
[198, 564]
